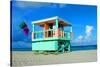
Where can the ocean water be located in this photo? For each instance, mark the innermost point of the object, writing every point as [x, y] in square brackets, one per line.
[87, 47]
[25, 46]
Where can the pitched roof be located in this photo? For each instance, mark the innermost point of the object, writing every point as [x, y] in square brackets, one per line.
[51, 20]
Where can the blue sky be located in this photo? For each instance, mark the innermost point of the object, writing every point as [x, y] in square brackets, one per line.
[82, 17]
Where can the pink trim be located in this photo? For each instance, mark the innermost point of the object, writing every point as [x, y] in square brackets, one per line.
[32, 35]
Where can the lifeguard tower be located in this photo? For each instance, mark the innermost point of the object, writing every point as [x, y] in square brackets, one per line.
[52, 37]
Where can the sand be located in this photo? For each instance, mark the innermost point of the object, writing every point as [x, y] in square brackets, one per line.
[28, 58]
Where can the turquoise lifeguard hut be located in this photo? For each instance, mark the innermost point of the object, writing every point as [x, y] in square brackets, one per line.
[52, 36]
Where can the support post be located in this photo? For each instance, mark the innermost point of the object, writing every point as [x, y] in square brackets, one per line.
[69, 46]
[33, 32]
[71, 34]
[56, 23]
[57, 29]
[71, 29]
[33, 27]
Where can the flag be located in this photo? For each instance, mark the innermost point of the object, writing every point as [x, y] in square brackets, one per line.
[24, 27]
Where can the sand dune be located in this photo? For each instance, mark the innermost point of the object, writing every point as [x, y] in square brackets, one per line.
[28, 58]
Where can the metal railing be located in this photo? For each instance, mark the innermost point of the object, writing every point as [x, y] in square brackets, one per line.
[51, 33]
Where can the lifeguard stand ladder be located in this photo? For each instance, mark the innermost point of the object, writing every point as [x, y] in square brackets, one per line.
[52, 37]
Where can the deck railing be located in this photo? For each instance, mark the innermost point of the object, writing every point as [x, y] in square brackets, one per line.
[51, 33]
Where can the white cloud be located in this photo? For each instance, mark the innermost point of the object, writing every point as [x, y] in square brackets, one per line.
[79, 39]
[88, 32]
[62, 5]
[87, 36]
[24, 4]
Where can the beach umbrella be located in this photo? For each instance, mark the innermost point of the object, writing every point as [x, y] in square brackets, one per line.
[24, 27]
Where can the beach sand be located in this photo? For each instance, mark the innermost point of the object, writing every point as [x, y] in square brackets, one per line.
[28, 58]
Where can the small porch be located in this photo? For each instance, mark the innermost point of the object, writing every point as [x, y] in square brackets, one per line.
[51, 34]
[52, 28]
